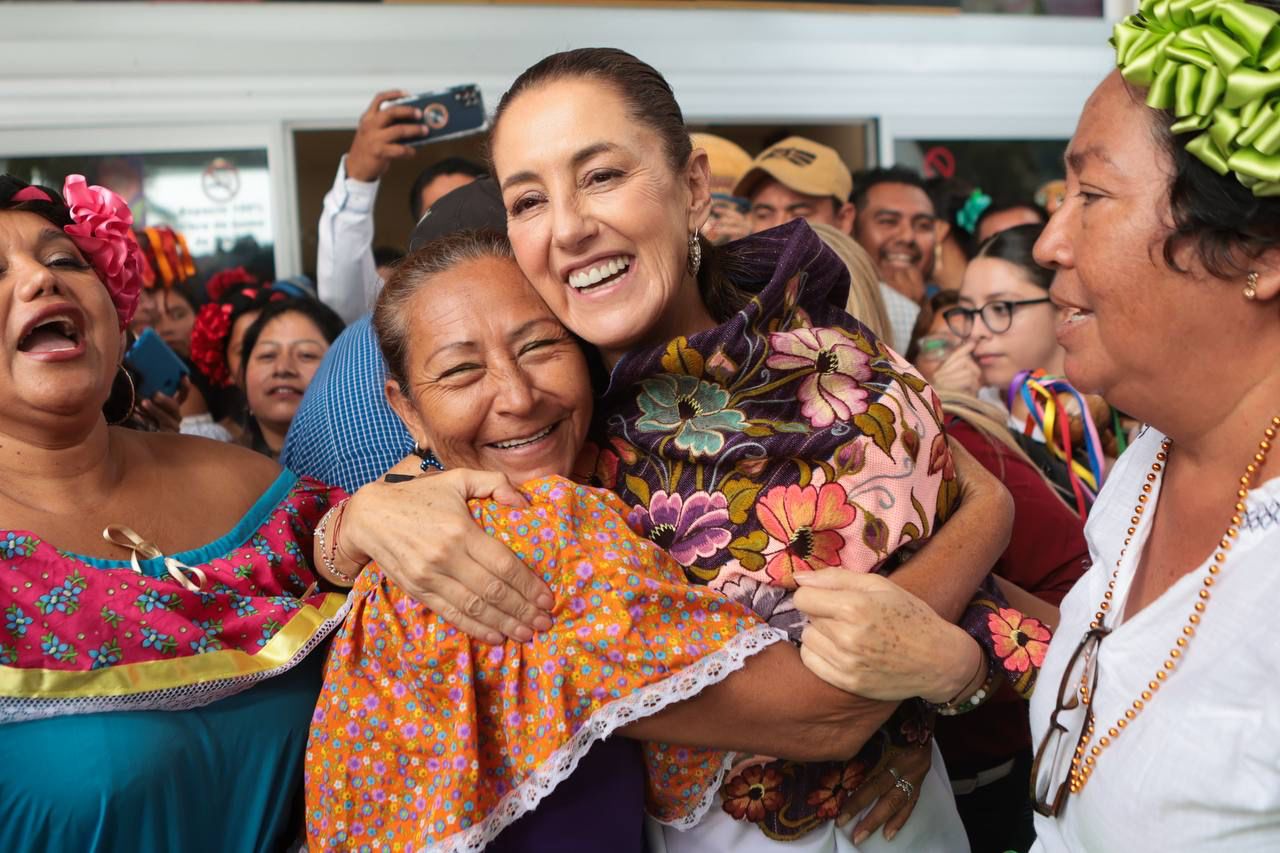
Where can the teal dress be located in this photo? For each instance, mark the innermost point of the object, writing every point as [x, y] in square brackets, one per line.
[138, 714]
[225, 777]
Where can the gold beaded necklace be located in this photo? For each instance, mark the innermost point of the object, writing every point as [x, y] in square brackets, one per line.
[1086, 756]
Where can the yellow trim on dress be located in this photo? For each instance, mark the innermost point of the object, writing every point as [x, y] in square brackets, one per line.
[148, 676]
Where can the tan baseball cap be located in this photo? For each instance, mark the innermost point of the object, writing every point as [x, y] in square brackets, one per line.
[728, 160]
[800, 165]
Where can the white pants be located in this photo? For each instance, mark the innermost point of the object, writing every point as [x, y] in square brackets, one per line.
[934, 827]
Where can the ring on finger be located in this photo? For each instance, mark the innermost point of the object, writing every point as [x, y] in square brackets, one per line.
[903, 785]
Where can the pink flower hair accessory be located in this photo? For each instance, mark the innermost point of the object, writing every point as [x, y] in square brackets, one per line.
[103, 232]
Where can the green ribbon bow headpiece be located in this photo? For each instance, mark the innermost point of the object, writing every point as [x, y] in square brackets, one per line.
[1215, 64]
[974, 206]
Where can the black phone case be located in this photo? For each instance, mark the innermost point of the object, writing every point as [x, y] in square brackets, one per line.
[452, 113]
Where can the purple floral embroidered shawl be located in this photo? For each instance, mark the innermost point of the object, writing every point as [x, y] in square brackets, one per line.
[787, 439]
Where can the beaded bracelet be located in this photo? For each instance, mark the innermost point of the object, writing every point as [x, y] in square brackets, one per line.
[325, 558]
[976, 698]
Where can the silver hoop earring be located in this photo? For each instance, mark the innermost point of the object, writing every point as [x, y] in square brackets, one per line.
[1251, 288]
[695, 254]
[133, 399]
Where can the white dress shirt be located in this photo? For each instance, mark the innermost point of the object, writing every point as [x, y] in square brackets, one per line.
[902, 314]
[346, 276]
[1199, 768]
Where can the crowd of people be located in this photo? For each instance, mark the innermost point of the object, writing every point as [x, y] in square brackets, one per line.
[663, 497]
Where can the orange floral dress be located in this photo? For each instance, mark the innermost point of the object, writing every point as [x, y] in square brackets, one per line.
[426, 739]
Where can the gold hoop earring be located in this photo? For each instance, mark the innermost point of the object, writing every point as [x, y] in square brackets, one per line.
[133, 399]
[1251, 288]
[695, 254]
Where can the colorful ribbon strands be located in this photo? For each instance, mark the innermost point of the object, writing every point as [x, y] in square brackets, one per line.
[1039, 392]
[1215, 64]
[169, 261]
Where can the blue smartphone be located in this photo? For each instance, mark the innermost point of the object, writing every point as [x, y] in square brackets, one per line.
[452, 113]
[158, 367]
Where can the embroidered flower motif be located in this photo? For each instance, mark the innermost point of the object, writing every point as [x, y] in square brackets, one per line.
[263, 546]
[109, 616]
[105, 655]
[243, 605]
[206, 644]
[212, 627]
[103, 232]
[940, 458]
[835, 787]
[15, 621]
[770, 603]
[596, 466]
[153, 599]
[8, 655]
[807, 522]
[1020, 641]
[753, 793]
[688, 530]
[153, 639]
[14, 545]
[269, 629]
[694, 410]
[53, 647]
[63, 598]
[833, 391]
[285, 602]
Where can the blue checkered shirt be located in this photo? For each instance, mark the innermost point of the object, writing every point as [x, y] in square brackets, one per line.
[345, 433]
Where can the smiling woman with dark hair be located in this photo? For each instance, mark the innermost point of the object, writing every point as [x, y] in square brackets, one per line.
[281, 352]
[510, 745]
[151, 639]
[760, 435]
[1159, 700]
[162, 623]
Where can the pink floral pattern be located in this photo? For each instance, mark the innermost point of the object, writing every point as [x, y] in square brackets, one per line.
[837, 458]
[806, 523]
[1021, 641]
[92, 628]
[834, 390]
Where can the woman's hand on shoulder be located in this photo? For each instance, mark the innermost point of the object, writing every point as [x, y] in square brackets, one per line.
[869, 636]
[421, 534]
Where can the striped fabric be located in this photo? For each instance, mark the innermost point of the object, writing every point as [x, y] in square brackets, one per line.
[345, 433]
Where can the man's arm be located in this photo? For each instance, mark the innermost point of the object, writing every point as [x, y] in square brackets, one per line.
[347, 277]
[345, 270]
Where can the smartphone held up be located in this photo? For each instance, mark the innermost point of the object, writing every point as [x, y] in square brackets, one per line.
[450, 114]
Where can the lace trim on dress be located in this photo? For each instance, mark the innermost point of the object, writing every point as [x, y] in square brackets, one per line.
[643, 703]
[188, 696]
